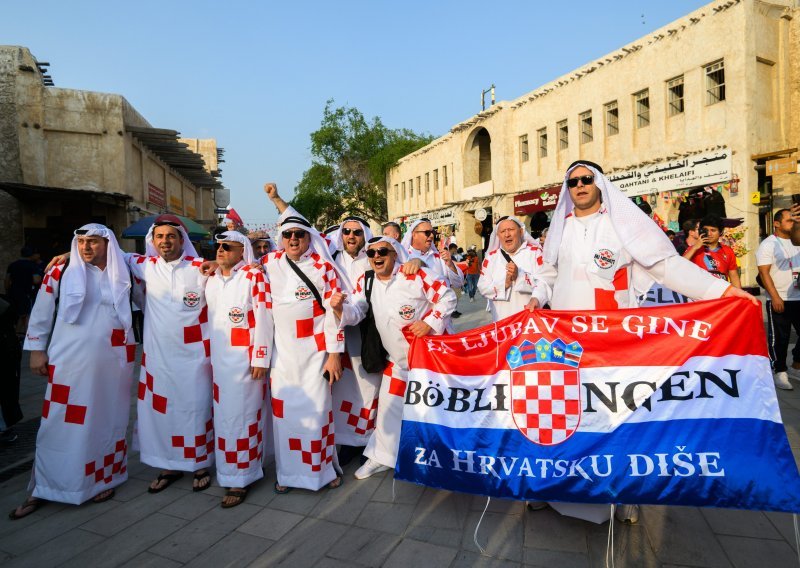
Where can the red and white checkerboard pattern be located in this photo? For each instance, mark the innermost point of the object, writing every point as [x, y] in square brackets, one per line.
[545, 404]
[159, 402]
[118, 340]
[197, 332]
[364, 420]
[197, 447]
[53, 274]
[244, 451]
[59, 394]
[397, 386]
[320, 451]
[112, 464]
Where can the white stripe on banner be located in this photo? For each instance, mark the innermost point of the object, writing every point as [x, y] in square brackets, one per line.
[704, 387]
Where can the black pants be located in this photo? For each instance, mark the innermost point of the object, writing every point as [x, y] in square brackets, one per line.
[10, 361]
[779, 328]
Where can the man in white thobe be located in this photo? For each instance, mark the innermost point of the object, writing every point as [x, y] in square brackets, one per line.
[602, 253]
[240, 330]
[175, 429]
[509, 275]
[417, 302]
[306, 359]
[80, 337]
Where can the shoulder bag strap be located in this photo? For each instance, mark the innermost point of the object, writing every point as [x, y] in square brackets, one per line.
[308, 282]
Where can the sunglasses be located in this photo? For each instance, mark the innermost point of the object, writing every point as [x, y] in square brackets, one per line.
[356, 232]
[371, 253]
[227, 247]
[428, 233]
[296, 234]
[585, 180]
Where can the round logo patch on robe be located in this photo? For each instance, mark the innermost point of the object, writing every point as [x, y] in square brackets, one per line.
[236, 314]
[302, 293]
[604, 258]
[191, 299]
[407, 312]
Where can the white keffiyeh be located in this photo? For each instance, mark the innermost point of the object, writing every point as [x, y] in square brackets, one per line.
[237, 237]
[402, 254]
[73, 282]
[640, 236]
[188, 247]
[494, 240]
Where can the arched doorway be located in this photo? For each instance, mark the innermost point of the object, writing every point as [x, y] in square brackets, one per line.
[478, 158]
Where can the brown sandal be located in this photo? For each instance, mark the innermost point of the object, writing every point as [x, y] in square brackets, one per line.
[239, 494]
[30, 505]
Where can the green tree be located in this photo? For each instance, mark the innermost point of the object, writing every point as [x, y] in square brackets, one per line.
[350, 157]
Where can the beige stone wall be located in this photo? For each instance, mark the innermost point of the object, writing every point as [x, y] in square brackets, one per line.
[758, 43]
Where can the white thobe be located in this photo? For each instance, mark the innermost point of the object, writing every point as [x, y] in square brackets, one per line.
[594, 270]
[302, 412]
[396, 304]
[355, 395]
[81, 447]
[174, 425]
[438, 268]
[595, 273]
[240, 330]
[505, 301]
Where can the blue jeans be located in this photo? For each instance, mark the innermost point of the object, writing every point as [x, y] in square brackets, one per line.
[472, 284]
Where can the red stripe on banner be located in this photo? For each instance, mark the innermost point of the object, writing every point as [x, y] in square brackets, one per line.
[657, 336]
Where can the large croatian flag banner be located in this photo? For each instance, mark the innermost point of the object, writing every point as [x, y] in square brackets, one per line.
[666, 405]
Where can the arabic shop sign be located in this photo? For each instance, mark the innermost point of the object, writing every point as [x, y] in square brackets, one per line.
[697, 170]
[437, 218]
[540, 200]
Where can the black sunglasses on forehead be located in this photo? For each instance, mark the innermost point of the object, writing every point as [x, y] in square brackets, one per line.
[380, 252]
[585, 180]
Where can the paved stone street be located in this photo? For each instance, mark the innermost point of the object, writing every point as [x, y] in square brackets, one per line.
[374, 522]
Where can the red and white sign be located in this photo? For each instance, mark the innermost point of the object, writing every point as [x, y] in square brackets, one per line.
[156, 195]
[540, 200]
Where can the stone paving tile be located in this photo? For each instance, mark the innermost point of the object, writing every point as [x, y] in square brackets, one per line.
[631, 546]
[466, 559]
[11, 501]
[128, 544]
[751, 553]
[332, 563]
[404, 493]
[500, 535]
[549, 530]
[260, 493]
[785, 525]
[346, 503]
[150, 560]
[57, 550]
[131, 489]
[740, 523]
[305, 545]
[191, 505]
[130, 512]
[505, 506]
[364, 547]
[441, 509]
[386, 517]
[49, 528]
[421, 554]
[202, 533]
[431, 535]
[681, 535]
[270, 524]
[300, 501]
[236, 549]
[536, 557]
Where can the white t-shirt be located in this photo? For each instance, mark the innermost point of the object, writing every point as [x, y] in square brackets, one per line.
[783, 258]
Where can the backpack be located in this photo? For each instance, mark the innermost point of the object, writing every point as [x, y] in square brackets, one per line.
[373, 353]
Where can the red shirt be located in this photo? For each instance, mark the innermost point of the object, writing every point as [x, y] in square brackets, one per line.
[719, 262]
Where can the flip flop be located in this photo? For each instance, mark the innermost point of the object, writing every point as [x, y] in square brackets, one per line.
[283, 491]
[199, 477]
[239, 494]
[30, 505]
[170, 478]
[109, 494]
[339, 481]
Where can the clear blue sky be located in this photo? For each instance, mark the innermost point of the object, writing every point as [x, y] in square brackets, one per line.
[256, 75]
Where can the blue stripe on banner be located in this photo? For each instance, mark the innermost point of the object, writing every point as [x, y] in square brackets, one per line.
[733, 463]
